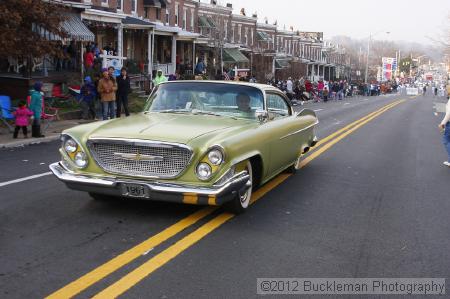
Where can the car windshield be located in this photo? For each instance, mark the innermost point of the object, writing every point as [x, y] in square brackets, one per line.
[227, 100]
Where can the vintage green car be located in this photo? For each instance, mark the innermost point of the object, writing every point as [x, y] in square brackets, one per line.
[197, 142]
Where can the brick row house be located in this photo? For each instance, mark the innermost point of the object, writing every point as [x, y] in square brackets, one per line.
[173, 35]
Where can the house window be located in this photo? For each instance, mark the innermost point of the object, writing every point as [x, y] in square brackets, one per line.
[239, 33]
[246, 35]
[133, 6]
[176, 14]
[232, 33]
[251, 41]
[119, 4]
[158, 13]
[184, 18]
[225, 30]
[105, 3]
[192, 20]
[167, 16]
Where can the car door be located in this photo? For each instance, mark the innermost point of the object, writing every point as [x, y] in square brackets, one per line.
[284, 142]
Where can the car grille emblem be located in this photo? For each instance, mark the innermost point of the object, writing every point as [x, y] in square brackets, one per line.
[139, 157]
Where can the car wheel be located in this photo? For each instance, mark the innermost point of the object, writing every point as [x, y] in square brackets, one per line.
[241, 202]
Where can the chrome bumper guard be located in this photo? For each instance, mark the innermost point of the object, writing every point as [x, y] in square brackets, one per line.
[215, 195]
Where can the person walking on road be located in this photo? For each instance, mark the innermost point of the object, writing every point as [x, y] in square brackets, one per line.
[445, 126]
[22, 115]
[36, 108]
[107, 90]
[123, 89]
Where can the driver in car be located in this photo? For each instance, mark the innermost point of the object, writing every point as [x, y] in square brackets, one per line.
[243, 103]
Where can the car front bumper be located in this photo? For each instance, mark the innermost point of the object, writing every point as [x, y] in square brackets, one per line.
[161, 191]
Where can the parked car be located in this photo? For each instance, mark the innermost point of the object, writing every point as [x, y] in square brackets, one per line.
[196, 142]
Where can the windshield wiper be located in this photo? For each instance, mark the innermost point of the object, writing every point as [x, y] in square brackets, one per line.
[172, 111]
[205, 113]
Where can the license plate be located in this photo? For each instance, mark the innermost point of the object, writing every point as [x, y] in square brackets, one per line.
[135, 190]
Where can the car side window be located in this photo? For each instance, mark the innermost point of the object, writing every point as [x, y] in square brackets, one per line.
[277, 106]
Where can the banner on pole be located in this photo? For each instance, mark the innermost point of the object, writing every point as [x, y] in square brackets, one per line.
[389, 68]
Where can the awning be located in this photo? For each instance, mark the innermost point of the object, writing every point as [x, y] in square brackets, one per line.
[262, 36]
[183, 34]
[281, 64]
[130, 22]
[234, 56]
[159, 27]
[211, 22]
[76, 30]
[155, 3]
[203, 22]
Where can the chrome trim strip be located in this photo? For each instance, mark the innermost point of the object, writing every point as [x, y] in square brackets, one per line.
[301, 130]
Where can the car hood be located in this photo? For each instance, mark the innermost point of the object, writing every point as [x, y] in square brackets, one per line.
[178, 128]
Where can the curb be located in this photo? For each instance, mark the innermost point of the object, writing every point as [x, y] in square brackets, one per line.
[30, 141]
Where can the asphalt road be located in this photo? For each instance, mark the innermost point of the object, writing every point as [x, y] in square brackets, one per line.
[374, 203]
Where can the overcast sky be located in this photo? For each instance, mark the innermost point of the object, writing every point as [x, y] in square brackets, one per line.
[409, 20]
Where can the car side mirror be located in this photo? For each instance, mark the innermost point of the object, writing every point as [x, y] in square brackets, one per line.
[262, 115]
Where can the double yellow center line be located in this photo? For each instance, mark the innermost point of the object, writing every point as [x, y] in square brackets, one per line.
[171, 252]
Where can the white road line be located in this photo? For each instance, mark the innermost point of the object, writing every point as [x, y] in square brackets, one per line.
[317, 110]
[25, 179]
[346, 103]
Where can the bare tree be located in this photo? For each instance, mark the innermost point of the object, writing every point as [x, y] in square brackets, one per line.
[21, 26]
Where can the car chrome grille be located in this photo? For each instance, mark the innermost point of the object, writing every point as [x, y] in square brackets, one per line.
[140, 158]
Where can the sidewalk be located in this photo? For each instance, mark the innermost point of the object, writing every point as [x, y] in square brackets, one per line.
[53, 132]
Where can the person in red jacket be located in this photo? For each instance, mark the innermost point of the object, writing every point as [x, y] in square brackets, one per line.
[320, 87]
[22, 115]
[89, 59]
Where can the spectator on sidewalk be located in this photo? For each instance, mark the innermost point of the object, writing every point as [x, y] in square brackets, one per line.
[111, 71]
[123, 89]
[88, 96]
[36, 108]
[289, 88]
[325, 93]
[22, 115]
[340, 93]
[320, 87]
[445, 126]
[107, 90]
[335, 90]
[200, 67]
[89, 60]
[160, 78]
[308, 88]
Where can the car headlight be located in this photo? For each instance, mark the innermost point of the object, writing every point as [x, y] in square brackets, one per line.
[204, 171]
[81, 160]
[70, 146]
[215, 157]
[74, 152]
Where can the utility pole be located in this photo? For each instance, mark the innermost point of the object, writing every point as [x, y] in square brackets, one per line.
[367, 59]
